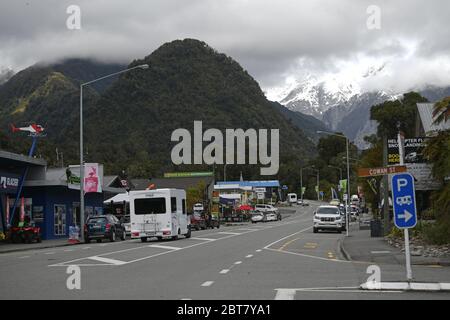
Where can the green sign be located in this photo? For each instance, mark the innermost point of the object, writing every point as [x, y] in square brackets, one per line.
[187, 174]
[343, 184]
[303, 190]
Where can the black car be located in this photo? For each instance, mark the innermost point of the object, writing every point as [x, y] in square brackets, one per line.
[104, 227]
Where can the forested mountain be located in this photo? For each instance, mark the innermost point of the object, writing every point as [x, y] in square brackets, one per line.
[129, 125]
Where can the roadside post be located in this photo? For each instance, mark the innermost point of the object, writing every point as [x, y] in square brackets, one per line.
[404, 205]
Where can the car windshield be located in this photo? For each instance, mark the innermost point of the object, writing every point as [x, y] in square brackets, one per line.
[97, 220]
[325, 210]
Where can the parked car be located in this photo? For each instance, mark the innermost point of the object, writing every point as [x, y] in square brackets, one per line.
[328, 218]
[257, 216]
[271, 216]
[198, 221]
[302, 203]
[104, 227]
[26, 234]
[265, 208]
[127, 224]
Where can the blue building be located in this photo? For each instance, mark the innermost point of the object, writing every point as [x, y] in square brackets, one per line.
[47, 198]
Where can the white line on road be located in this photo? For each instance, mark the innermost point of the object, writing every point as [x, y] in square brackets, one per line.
[379, 252]
[293, 234]
[207, 283]
[107, 260]
[224, 271]
[206, 239]
[164, 247]
[259, 250]
[249, 256]
[238, 262]
[68, 250]
[84, 248]
[285, 294]
[49, 253]
[307, 255]
[232, 233]
[289, 294]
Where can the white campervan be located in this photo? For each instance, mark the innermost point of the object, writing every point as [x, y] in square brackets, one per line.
[159, 213]
[292, 198]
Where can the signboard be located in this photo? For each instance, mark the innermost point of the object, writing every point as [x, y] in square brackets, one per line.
[345, 197]
[187, 174]
[343, 185]
[259, 189]
[404, 201]
[91, 178]
[413, 150]
[423, 178]
[285, 187]
[38, 213]
[9, 182]
[372, 172]
[260, 195]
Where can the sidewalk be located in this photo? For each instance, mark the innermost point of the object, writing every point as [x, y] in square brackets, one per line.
[360, 246]
[6, 247]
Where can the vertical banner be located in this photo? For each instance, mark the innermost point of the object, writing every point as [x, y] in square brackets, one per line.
[92, 181]
[7, 210]
[303, 190]
[22, 209]
[343, 185]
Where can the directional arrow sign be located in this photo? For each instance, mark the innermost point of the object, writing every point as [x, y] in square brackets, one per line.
[404, 201]
[405, 216]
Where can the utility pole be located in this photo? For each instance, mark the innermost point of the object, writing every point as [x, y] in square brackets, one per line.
[386, 222]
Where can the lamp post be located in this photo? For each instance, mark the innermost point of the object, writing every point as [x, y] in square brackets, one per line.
[142, 66]
[348, 171]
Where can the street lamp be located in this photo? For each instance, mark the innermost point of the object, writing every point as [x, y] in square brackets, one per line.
[348, 171]
[142, 66]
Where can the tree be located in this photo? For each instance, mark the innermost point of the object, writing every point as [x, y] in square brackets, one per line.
[194, 195]
[442, 110]
[389, 114]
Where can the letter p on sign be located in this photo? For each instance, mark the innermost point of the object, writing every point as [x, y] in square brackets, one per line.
[401, 183]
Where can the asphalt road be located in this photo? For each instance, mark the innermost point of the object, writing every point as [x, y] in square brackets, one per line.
[275, 260]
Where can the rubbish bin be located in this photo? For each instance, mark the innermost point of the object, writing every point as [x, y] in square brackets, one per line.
[376, 229]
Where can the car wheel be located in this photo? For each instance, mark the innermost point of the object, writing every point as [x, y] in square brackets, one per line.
[144, 239]
[188, 234]
[175, 237]
[124, 235]
[315, 230]
[38, 240]
[99, 240]
[87, 240]
[197, 228]
[218, 226]
[112, 238]
[159, 238]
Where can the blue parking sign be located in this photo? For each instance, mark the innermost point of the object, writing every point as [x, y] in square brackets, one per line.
[404, 201]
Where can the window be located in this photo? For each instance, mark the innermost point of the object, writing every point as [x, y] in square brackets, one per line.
[59, 220]
[173, 204]
[150, 206]
[184, 206]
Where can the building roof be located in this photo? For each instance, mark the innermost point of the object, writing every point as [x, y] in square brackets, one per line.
[427, 119]
[178, 183]
[119, 198]
[260, 184]
[8, 159]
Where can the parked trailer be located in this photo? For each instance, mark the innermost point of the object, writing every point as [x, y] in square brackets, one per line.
[159, 213]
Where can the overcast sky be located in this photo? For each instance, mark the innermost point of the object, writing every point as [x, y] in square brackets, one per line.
[274, 40]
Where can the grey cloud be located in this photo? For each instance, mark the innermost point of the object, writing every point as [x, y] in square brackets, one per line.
[267, 37]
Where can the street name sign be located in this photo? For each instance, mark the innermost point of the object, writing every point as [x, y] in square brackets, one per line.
[372, 172]
[404, 201]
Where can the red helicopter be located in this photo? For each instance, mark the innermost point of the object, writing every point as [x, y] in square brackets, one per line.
[33, 129]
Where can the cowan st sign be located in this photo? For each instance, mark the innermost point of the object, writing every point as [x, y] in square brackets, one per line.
[372, 172]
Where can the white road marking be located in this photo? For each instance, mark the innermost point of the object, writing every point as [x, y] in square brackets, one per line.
[68, 250]
[206, 239]
[379, 252]
[308, 256]
[103, 245]
[164, 247]
[49, 253]
[24, 257]
[271, 244]
[285, 294]
[84, 248]
[249, 256]
[232, 233]
[238, 262]
[108, 260]
[207, 283]
[224, 271]
[259, 250]
[185, 299]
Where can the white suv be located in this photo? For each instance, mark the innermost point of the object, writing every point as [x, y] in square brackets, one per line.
[266, 208]
[328, 218]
